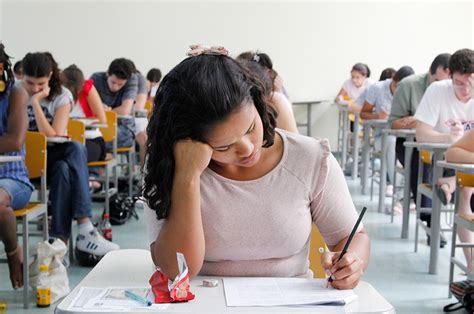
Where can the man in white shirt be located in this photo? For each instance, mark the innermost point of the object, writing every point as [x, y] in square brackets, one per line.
[445, 112]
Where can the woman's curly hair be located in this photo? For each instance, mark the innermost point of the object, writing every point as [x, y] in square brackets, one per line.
[193, 97]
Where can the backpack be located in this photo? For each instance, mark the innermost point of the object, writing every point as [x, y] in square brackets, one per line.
[464, 292]
[122, 208]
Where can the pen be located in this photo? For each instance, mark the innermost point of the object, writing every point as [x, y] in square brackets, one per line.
[129, 294]
[349, 240]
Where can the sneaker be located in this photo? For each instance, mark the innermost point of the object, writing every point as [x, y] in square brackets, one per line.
[91, 247]
[389, 190]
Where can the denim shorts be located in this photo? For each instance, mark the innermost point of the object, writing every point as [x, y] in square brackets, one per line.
[19, 192]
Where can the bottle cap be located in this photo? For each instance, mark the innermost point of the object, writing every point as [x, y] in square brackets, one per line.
[44, 267]
[106, 216]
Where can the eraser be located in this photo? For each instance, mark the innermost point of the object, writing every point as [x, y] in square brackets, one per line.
[210, 282]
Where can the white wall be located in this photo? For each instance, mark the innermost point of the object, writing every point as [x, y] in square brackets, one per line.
[313, 44]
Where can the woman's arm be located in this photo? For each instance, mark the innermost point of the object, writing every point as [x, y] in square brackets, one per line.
[182, 231]
[367, 112]
[340, 96]
[14, 139]
[140, 101]
[95, 103]
[286, 119]
[463, 150]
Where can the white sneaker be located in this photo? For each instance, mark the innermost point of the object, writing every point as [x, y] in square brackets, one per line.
[389, 190]
[94, 243]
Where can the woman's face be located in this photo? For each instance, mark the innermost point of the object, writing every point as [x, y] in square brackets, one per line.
[238, 140]
[35, 85]
[357, 78]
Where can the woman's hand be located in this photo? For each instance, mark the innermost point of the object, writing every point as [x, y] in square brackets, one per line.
[39, 96]
[345, 273]
[456, 130]
[191, 157]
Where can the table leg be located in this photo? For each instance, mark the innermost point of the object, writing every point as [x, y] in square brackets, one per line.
[435, 230]
[355, 151]
[406, 192]
[383, 173]
[365, 158]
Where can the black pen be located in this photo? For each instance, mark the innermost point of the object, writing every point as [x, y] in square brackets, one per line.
[346, 246]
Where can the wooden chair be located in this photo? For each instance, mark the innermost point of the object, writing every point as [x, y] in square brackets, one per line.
[76, 130]
[35, 161]
[317, 248]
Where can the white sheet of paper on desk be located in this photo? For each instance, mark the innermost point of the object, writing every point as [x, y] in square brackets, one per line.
[112, 299]
[283, 291]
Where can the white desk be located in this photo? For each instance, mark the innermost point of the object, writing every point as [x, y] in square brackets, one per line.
[308, 105]
[438, 150]
[368, 125]
[4, 158]
[134, 268]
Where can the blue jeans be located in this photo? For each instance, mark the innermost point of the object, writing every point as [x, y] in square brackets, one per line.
[19, 192]
[68, 178]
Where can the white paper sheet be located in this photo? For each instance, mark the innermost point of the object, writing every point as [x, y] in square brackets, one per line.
[283, 291]
[112, 299]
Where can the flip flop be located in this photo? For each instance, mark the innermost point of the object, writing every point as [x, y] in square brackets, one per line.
[441, 195]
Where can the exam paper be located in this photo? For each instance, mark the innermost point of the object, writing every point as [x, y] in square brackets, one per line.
[283, 291]
[112, 299]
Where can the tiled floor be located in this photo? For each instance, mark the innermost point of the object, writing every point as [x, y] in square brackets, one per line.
[398, 273]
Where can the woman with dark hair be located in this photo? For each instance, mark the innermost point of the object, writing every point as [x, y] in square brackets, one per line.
[355, 86]
[285, 118]
[48, 110]
[87, 104]
[15, 187]
[235, 195]
[264, 60]
[153, 78]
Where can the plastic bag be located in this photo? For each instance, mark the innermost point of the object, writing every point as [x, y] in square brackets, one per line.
[51, 254]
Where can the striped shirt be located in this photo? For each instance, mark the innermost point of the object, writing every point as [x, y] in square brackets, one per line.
[15, 170]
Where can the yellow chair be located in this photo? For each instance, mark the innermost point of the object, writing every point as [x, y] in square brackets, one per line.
[35, 161]
[149, 106]
[76, 130]
[317, 247]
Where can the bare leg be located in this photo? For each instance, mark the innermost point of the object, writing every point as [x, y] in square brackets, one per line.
[141, 139]
[448, 185]
[466, 235]
[8, 236]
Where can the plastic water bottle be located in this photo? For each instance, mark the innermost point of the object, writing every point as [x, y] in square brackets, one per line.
[106, 227]
[43, 291]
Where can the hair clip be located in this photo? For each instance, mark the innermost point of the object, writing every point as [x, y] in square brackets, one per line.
[256, 57]
[199, 49]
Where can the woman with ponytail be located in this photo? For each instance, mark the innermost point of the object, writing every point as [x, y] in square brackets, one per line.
[48, 110]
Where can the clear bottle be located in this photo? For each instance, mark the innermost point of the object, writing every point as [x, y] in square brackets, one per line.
[106, 227]
[43, 291]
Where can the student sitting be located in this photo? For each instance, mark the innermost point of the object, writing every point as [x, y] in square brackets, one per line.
[446, 110]
[463, 152]
[118, 89]
[153, 82]
[48, 111]
[15, 188]
[405, 102]
[285, 118]
[212, 133]
[18, 71]
[87, 104]
[377, 105]
[355, 86]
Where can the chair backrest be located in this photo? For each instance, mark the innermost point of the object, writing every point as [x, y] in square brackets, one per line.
[426, 156]
[109, 133]
[148, 106]
[35, 158]
[465, 179]
[317, 247]
[76, 130]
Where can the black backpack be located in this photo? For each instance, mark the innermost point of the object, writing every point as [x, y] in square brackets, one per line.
[464, 292]
[122, 208]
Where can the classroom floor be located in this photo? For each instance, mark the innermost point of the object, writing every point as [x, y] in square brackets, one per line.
[398, 273]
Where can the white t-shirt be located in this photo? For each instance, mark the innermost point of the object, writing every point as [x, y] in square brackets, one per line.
[353, 91]
[439, 107]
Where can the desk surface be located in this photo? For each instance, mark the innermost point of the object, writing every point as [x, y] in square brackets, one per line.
[428, 146]
[467, 168]
[309, 102]
[134, 268]
[400, 132]
[4, 158]
[375, 122]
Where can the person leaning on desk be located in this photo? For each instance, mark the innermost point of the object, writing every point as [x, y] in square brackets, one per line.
[235, 195]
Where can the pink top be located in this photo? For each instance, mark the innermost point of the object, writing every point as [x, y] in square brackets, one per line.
[262, 227]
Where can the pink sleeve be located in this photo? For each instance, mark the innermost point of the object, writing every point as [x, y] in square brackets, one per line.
[332, 209]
